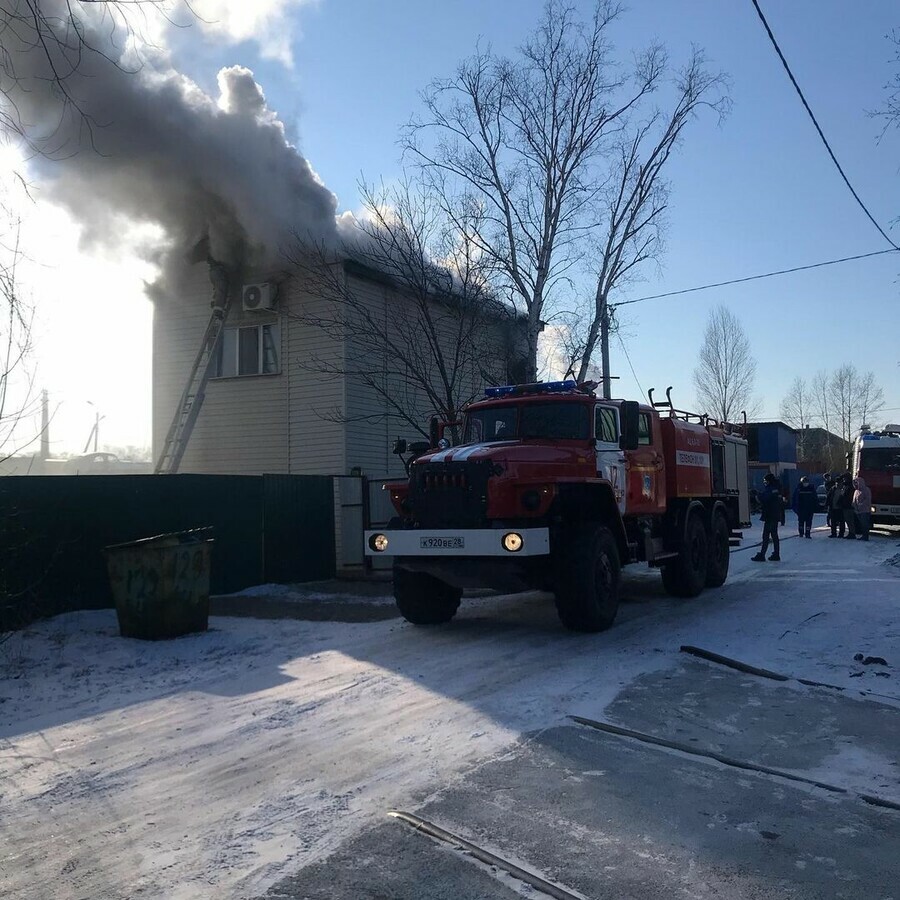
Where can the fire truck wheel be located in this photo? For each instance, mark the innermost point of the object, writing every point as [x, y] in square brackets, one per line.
[686, 577]
[587, 581]
[719, 552]
[423, 599]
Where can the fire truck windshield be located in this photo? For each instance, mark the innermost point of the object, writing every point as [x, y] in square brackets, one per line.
[551, 421]
[880, 459]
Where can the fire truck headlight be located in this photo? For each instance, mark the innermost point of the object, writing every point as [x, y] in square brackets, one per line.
[512, 541]
[378, 542]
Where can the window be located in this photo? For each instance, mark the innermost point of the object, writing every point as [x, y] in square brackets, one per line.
[880, 459]
[493, 424]
[250, 350]
[606, 425]
[555, 421]
[645, 432]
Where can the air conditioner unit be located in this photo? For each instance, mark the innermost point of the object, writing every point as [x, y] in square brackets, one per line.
[258, 296]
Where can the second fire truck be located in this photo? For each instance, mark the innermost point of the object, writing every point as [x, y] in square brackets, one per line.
[876, 457]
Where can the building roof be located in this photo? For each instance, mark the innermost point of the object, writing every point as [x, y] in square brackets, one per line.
[492, 305]
[780, 424]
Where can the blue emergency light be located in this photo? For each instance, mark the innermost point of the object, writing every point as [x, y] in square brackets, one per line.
[499, 391]
[542, 387]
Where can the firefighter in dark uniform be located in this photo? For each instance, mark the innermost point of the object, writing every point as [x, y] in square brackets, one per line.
[804, 504]
[772, 516]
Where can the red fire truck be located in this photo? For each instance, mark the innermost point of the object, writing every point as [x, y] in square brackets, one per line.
[876, 457]
[556, 489]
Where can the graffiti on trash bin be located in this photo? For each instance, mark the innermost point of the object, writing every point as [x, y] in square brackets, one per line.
[142, 583]
[188, 569]
[152, 580]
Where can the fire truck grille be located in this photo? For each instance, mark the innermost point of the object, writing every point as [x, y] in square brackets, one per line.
[450, 495]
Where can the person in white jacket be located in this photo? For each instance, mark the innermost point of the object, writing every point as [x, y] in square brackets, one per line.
[862, 506]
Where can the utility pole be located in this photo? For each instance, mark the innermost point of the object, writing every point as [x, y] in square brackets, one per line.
[95, 431]
[45, 425]
[604, 351]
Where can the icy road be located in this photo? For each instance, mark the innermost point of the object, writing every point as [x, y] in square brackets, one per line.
[226, 764]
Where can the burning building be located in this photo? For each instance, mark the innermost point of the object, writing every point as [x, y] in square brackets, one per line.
[254, 370]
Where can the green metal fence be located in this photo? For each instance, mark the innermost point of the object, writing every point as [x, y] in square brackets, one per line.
[270, 528]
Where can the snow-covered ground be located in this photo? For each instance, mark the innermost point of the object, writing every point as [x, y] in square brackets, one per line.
[208, 766]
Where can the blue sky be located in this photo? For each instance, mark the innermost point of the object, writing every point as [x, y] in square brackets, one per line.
[754, 194]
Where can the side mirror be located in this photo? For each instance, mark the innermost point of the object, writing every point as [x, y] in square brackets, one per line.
[399, 446]
[631, 418]
[434, 431]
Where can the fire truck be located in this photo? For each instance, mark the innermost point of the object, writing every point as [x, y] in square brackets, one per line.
[553, 488]
[876, 457]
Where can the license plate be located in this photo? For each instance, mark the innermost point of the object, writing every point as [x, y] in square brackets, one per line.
[442, 543]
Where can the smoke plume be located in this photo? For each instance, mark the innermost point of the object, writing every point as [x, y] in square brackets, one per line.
[120, 141]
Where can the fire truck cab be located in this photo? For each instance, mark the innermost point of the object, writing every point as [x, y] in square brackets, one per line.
[554, 488]
[876, 458]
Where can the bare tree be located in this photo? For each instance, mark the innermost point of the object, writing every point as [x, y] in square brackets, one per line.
[18, 400]
[819, 391]
[841, 391]
[797, 411]
[635, 197]
[725, 374]
[843, 401]
[890, 113]
[833, 450]
[520, 140]
[49, 42]
[853, 398]
[870, 399]
[436, 334]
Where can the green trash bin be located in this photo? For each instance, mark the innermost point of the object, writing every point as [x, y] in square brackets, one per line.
[160, 584]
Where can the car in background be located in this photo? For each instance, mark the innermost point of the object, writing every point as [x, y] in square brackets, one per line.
[104, 463]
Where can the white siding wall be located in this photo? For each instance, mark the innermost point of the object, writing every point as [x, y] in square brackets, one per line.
[316, 397]
[370, 427]
[303, 420]
[242, 425]
[371, 424]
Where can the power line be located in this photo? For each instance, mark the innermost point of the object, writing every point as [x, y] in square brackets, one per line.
[706, 287]
[630, 366]
[790, 74]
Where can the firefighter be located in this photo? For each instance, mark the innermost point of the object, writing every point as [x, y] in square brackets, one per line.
[845, 498]
[804, 505]
[829, 493]
[772, 516]
[835, 509]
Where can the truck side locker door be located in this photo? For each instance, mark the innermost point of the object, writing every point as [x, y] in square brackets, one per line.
[610, 458]
[646, 469]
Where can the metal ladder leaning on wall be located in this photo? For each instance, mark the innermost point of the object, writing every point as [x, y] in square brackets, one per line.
[194, 391]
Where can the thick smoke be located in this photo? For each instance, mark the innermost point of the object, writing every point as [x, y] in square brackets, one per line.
[144, 143]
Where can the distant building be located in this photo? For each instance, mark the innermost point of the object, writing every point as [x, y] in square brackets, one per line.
[820, 451]
[772, 447]
[102, 463]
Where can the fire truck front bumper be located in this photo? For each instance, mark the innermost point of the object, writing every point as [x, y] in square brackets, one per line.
[508, 543]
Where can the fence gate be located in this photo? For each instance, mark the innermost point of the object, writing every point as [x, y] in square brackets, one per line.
[350, 522]
[298, 528]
